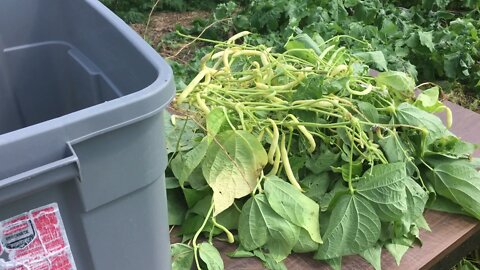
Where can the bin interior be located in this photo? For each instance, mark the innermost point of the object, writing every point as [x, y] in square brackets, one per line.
[61, 56]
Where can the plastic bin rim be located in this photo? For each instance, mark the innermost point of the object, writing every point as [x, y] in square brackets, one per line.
[158, 90]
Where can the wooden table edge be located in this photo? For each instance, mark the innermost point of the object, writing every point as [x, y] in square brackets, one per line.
[456, 251]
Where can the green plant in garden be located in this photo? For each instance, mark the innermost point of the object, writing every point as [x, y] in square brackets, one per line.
[306, 151]
[430, 40]
[466, 264]
[132, 11]
[436, 39]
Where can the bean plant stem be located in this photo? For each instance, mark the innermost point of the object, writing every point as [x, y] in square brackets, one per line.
[195, 237]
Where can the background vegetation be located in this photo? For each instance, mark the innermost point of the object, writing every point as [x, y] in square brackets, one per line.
[432, 40]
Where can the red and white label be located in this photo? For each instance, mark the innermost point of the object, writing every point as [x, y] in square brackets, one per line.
[36, 241]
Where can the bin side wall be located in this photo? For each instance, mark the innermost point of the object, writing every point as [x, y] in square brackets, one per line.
[132, 232]
[120, 161]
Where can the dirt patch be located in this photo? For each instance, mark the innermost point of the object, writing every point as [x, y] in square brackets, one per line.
[163, 23]
[463, 98]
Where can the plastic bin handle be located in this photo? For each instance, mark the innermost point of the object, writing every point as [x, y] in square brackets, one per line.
[27, 182]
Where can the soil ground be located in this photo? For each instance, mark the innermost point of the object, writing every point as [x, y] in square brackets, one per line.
[164, 23]
[465, 99]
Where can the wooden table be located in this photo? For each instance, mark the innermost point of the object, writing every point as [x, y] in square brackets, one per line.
[452, 236]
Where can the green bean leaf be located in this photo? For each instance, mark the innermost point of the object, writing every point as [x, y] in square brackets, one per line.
[396, 151]
[309, 88]
[452, 147]
[294, 206]
[215, 120]
[426, 40]
[240, 252]
[369, 111]
[322, 162]
[302, 46]
[459, 183]
[316, 185]
[428, 101]
[210, 256]
[184, 164]
[376, 58]
[182, 256]
[261, 226]
[268, 261]
[373, 256]
[445, 205]
[335, 263]
[396, 81]
[410, 115]
[357, 169]
[384, 187]
[353, 227]
[416, 200]
[183, 135]
[397, 251]
[305, 243]
[177, 207]
[232, 166]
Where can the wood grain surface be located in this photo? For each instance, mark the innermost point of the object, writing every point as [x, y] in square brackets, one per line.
[451, 238]
[448, 233]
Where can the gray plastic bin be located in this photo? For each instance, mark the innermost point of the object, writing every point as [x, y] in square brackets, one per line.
[81, 101]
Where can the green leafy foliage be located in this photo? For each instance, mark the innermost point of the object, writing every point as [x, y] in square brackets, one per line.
[293, 206]
[305, 151]
[232, 166]
[176, 207]
[467, 265]
[384, 187]
[353, 227]
[430, 40]
[260, 225]
[397, 251]
[130, 10]
[433, 127]
[428, 101]
[397, 81]
[373, 256]
[437, 45]
[268, 261]
[416, 200]
[183, 165]
[376, 58]
[181, 134]
[182, 256]
[459, 183]
[210, 256]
